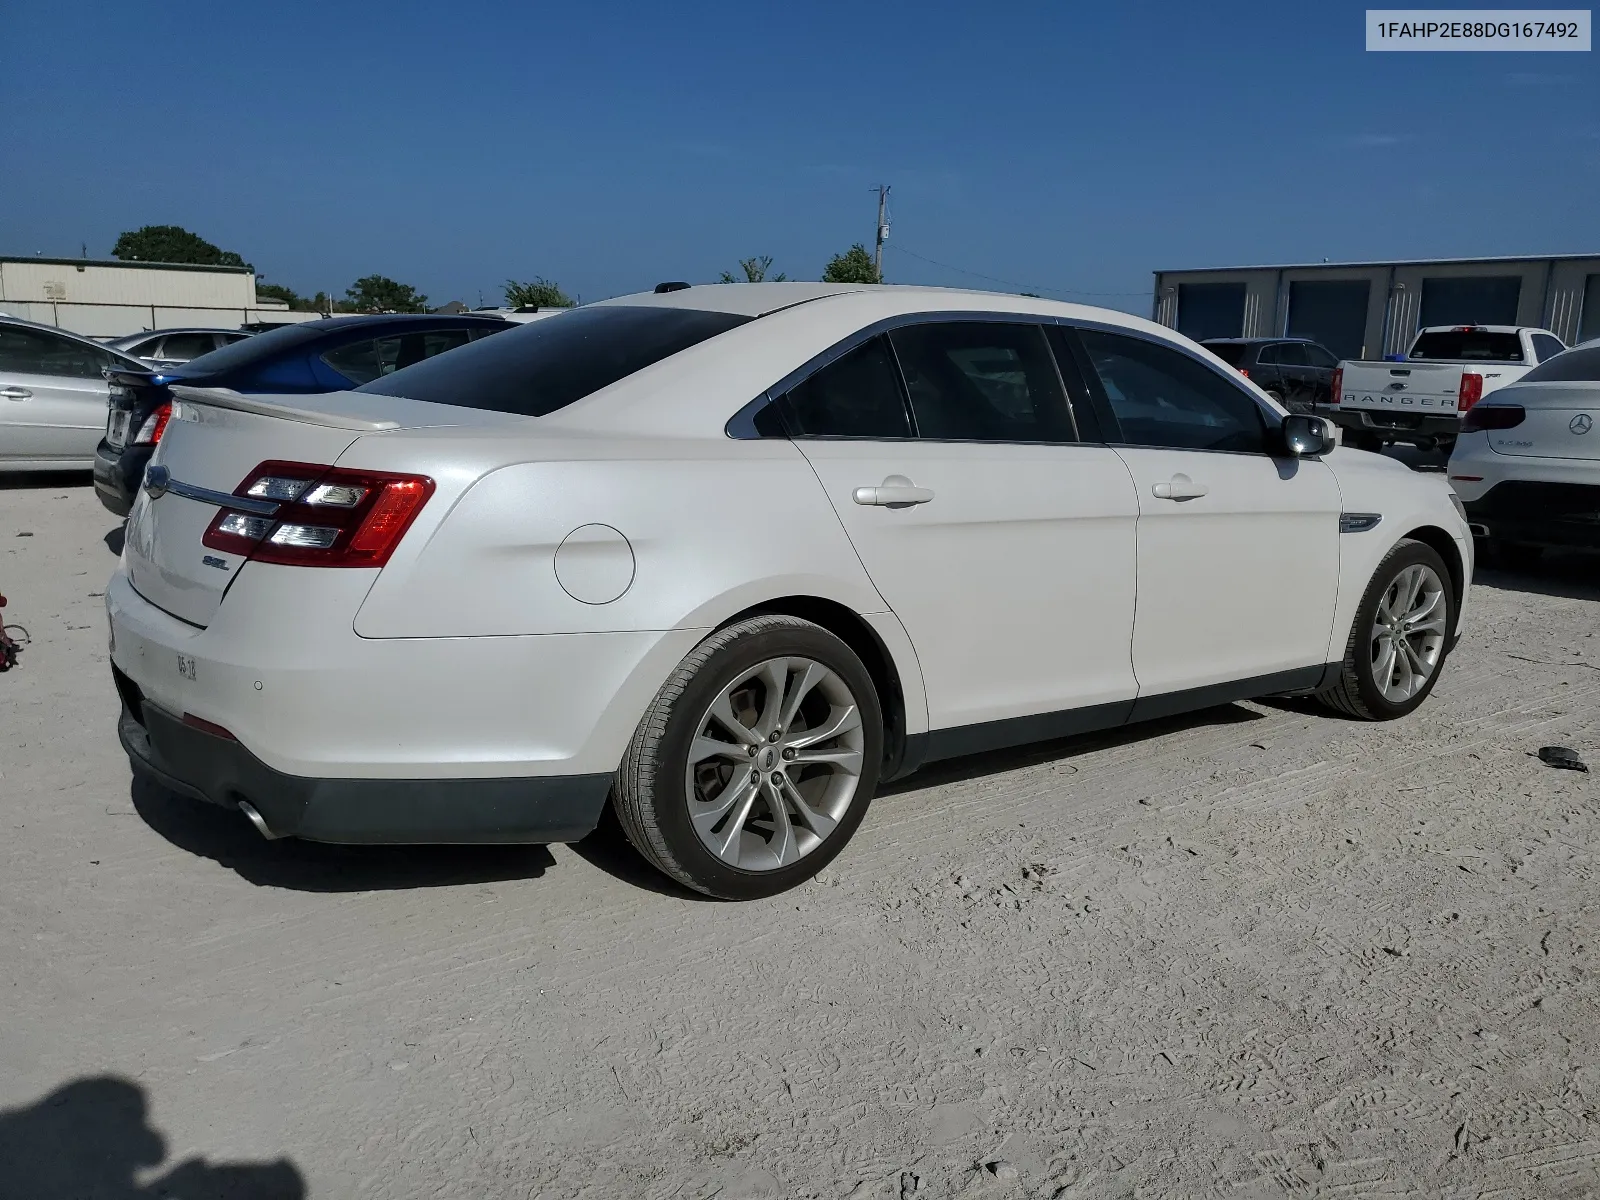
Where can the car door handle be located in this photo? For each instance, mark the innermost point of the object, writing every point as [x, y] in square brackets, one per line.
[1181, 487]
[16, 393]
[894, 492]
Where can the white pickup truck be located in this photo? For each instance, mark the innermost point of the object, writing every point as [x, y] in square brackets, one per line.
[1420, 399]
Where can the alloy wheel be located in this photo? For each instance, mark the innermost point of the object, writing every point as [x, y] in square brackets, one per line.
[775, 763]
[1408, 632]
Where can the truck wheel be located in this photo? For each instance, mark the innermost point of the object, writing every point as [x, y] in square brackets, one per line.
[1399, 639]
[756, 761]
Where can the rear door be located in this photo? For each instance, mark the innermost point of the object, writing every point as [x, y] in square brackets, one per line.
[52, 396]
[1322, 364]
[1004, 545]
[1238, 553]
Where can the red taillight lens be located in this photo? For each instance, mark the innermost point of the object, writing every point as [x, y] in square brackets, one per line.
[1471, 390]
[1336, 386]
[1245, 371]
[205, 726]
[1493, 416]
[325, 516]
[154, 426]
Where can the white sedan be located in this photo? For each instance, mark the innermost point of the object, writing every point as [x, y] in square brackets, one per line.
[1527, 462]
[728, 557]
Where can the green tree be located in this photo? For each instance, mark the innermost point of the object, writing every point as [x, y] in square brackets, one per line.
[853, 266]
[540, 293]
[276, 291]
[172, 244]
[755, 271]
[378, 293]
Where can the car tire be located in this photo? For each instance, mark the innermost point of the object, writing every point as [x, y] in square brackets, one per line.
[1276, 396]
[1378, 680]
[797, 796]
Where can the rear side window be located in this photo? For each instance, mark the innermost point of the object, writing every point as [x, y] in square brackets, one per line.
[187, 345]
[982, 381]
[546, 365]
[1546, 347]
[1320, 357]
[1231, 353]
[1161, 397]
[1575, 366]
[1468, 345]
[1293, 354]
[857, 396]
[36, 352]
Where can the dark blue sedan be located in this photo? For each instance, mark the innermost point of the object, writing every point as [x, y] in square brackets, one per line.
[317, 356]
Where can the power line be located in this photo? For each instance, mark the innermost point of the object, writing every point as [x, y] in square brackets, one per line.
[1032, 287]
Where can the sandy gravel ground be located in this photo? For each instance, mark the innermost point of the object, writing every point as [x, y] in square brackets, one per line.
[1259, 952]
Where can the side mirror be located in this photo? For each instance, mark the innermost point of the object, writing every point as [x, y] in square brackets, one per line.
[1308, 437]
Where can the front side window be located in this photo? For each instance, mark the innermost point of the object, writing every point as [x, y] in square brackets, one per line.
[857, 396]
[1162, 397]
[982, 381]
[184, 346]
[537, 368]
[35, 352]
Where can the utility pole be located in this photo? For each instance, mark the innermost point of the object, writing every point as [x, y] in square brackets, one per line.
[883, 229]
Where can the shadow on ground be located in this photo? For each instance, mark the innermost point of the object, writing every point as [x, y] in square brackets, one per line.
[1570, 576]
[227, 838]
[22, 480]
[88, 1139]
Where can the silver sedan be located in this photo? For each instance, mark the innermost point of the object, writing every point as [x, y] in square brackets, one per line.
[53, 396]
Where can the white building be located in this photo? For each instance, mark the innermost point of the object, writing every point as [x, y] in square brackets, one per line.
[103, 298]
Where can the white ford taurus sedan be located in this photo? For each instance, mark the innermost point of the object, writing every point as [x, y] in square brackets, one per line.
[728, 557]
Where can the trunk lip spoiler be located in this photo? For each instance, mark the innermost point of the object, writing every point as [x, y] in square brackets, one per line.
[220, 397]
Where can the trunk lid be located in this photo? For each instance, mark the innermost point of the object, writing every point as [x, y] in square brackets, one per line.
[1561, 421]
[1418, 388]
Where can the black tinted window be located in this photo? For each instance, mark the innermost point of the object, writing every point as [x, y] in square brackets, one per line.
[185, 346]
[1468, 345]
[1293, 354]
[857, 396]
[982, 381]
[35, 352]
[362, 362]
[1162, 397]
[1546, 347]
[1320, 357]
[546, 365]
[1231, 353]
[1575, 366]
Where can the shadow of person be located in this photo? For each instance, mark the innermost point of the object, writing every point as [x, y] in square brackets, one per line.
[225, 837]
[91, 1138]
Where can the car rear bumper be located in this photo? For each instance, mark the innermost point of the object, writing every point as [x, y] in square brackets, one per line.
[117, 474]
[1541, 514]
[1396, 426]
[219, 770]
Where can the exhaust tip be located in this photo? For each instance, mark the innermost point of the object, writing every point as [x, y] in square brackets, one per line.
[258, 821]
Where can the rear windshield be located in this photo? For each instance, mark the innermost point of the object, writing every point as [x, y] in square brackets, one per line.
[549, 364]
[1575, 366]
[1469, 345]
[1231, 353]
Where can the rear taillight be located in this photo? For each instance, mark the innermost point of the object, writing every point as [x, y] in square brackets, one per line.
[154, 426]
[323, 516]
[1471, 390]
[1336, 386]
[1245, 371]
[1493, 416]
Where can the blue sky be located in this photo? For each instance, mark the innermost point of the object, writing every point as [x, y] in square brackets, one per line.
[607, 146]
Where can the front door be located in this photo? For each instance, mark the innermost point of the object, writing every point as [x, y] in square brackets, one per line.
[1238, 550]
[1005, 547]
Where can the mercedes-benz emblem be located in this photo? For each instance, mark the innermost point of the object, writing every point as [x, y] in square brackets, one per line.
[156, 480]
[1581, 423]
